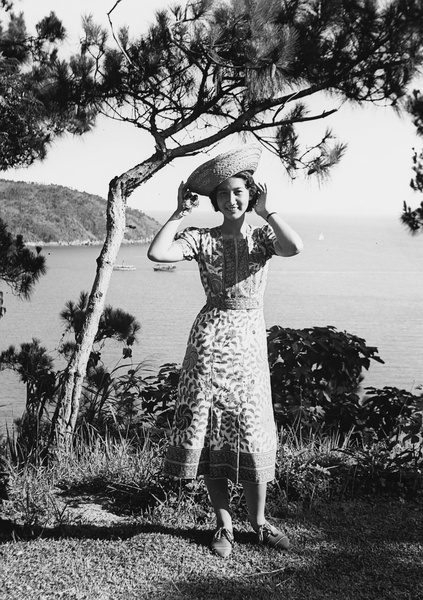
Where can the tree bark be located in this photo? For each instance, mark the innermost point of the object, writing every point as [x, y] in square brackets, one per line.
[70, 394]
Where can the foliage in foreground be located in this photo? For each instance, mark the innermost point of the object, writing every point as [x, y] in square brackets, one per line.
[36, 430]
[311, 469]
[335, 443]
[316, 375]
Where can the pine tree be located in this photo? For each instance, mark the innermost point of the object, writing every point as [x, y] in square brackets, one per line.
[35, 367]
[40, 95]
[213, 69]
[34, 108]
[20, 267]
[413, 218]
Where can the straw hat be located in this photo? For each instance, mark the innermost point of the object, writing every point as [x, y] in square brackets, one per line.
[209, 175]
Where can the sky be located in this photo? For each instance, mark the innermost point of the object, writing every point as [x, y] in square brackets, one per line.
[373, 177]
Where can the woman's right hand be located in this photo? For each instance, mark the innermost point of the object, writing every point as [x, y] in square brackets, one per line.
[186, 200]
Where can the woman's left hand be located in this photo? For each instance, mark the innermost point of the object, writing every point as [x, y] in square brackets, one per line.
[260, 205]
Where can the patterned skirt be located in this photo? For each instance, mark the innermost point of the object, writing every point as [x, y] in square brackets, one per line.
[223, 424]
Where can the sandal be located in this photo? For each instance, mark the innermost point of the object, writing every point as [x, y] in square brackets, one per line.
[222, 542]
[272, 537]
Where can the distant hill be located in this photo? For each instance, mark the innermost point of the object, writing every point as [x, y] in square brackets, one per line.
[60, 215]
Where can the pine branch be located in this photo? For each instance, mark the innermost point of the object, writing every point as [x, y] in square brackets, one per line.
[277, 123]
[413, 219]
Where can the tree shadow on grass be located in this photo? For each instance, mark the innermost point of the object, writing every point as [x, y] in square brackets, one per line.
[329, 575]
[365, 551]
[10, 530]
[374, 521]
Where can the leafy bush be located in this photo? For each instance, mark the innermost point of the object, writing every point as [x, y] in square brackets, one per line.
[311, 467]
[314, 467]
[339, 444]
[384, 410]
[315, 377]
[159, 396]
[31, 497]
[395, 419]
[107, 400]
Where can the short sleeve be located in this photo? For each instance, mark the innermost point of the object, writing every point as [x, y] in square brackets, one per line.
[267, 240]
[189, 241]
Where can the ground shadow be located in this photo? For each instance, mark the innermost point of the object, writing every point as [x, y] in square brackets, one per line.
[348, 551]
[10, 530]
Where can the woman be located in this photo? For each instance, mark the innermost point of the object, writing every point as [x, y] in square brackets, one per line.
[223, 426]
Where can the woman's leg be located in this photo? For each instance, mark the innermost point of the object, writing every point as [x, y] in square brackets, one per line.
[218, 492]
[255, 496]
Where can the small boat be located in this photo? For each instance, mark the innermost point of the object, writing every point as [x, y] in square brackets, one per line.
[123, 267]
[164, 267]
[321, 237]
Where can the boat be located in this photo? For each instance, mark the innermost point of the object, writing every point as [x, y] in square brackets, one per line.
[164, 267]
[123, 267]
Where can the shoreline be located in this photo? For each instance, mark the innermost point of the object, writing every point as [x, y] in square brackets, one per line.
[86, 243]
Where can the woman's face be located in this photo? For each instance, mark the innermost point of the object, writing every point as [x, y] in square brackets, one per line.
[232, 198]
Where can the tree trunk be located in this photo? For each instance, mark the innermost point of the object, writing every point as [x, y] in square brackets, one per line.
[70, 394]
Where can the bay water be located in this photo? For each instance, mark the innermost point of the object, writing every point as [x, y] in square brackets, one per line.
[360, 275]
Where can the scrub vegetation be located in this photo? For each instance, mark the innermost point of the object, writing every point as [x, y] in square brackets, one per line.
[101, 520]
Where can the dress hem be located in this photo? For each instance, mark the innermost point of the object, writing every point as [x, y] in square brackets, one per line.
[190, 464]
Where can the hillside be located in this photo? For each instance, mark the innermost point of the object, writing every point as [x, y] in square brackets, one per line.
[59, 215]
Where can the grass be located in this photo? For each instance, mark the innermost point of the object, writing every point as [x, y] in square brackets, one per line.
[100, 523]
[344, 551]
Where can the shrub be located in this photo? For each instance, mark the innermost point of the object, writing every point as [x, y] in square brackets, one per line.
[387, 409]
[315, 377]
[310, 466]
[159, 396]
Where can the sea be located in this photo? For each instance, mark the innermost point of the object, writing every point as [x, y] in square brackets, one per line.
[362, 275]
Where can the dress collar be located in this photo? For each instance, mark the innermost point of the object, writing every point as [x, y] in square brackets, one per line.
[248, 230]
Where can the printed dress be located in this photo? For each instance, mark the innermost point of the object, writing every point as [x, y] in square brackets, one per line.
[223, 424]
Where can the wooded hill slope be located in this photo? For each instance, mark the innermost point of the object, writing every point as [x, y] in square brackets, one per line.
[57, 214]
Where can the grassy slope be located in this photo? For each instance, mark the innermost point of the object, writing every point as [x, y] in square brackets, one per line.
[339, 552]
[53, 213]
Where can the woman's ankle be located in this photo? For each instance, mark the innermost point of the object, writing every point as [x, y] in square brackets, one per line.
[257, 523]
[224, 525]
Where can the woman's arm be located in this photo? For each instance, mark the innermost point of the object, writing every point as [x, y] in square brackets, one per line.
[163, 248]
[288, 242]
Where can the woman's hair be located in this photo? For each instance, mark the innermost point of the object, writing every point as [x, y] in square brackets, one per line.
[250, 184]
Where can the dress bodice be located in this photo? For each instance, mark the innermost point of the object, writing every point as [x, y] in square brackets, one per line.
[233, 271]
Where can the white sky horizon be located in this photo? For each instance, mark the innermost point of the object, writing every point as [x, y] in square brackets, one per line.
[372, 178]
